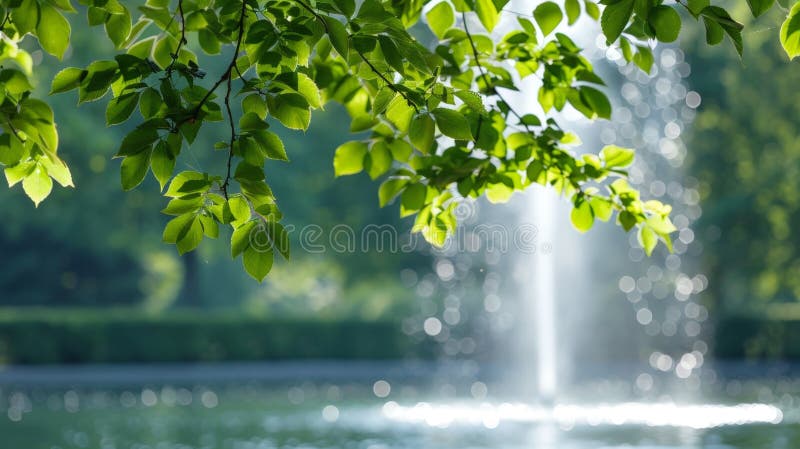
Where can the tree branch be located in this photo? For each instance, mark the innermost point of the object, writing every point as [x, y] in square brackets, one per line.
[363, 58]
[483, 75]
[228, 75]
[182, 41]
[388, 83]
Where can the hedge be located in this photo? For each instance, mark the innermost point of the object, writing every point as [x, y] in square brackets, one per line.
[47, 336]
[739, 337]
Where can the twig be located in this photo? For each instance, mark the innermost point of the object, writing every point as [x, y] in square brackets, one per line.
[176, 55]
[231, 66]
[363, 58]
[388, 83]
[15, 132]
[228, 75]
[483, 75]
[5, 19]
[224, 186]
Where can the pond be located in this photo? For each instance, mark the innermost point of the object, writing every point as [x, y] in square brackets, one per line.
[317, 406]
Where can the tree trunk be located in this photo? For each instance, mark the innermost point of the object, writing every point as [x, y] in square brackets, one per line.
[190, 295]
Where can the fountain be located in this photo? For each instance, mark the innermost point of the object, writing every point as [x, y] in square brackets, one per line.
[537, 408]
[544, 292]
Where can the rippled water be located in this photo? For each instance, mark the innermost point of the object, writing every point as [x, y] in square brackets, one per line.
[378, 413]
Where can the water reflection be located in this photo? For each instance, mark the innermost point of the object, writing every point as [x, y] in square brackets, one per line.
[489, 415]
[392, 413]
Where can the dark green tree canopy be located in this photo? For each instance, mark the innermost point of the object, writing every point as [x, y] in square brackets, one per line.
[430, 104]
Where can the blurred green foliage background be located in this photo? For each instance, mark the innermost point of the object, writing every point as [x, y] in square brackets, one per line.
[95, 247]
[98, 246]
[744, 149]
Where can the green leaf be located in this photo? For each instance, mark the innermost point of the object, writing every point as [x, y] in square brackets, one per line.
[338, 35]
[487, 13]
[696, 6]
[309, 90]
[548, 15]
[162, 53]
[250, 121]
[137, 141]
[391, 54]
[57, 170]
[14, 81]
[666, 22]
[627, 220]
[271, 144]
[177, 228]
[25, 16]
[37, 185]
[643, 58]
[150, 102]
[499, 193]
[120, 108]
[412, 199]
[118, 27]
[601, 207]
[759, 7]
[389, 189]
[143, 48]
[648, 239]
[592, 9]
[162, 163]
[597, 101]
[452, 124]
[247, 172]
[133, 169]
[573, 9]
[209, 42]
[239, 209]
[378, 161]
[180, 206]
[18, 172]
[67, 79]
[291, 110]
[714, 31]
[736, 38]
[401, 150]
[53, 31]
[617, 157]
[790, 32]
[101, 74]
[346, 7]
[582, 216]
[250, 150]
[349, 158]
[210, 227]
[11, 150]
[661, 224]
[240, 238]
[255, 103]
[382, 99]
[257, 262]
[441, 18]
[64, 5]
[280, 238]
[422, 133]
[615, 18]
[473, 100]
[188, 182]
[192, 236]
[732, 28]
[399, 113]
